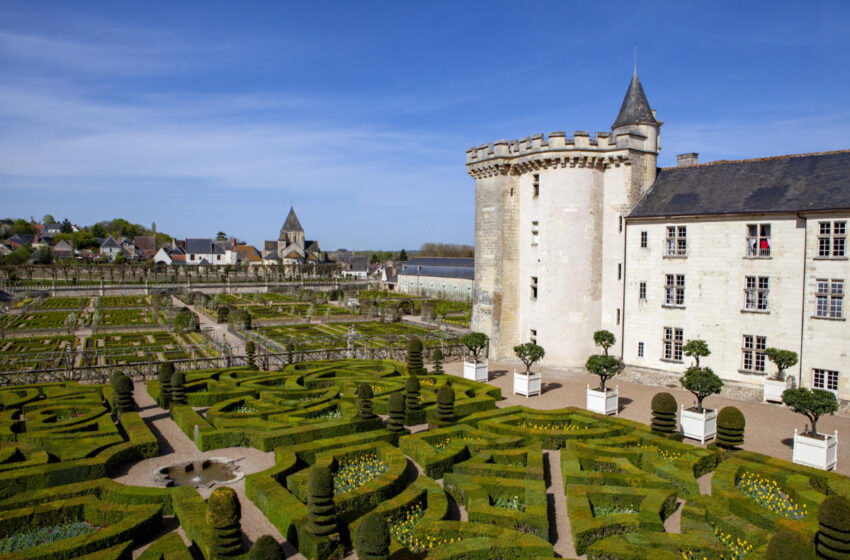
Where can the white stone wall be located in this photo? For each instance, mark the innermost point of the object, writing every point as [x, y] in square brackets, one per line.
[456, 289]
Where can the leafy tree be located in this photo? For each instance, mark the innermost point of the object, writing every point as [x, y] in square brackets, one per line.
[696, 349]
[605, 339]
[475, 342]
[702, 382]
[529, 353]
[221, 236]
[811, 404]
[374, 259]
[66, 227]
[783, 359]
[42, 256]
[19, 256]
[603, 366]
[23, 227]
[48, 219]
[402, 256]
[97, 230]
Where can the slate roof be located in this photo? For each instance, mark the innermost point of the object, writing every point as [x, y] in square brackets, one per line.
[635, 108]
[110, 243]
[145, 243]
[22, 238]
[794, 183]
[311, 246]
[359, 264]
[271, 256]
[467, 273]
[291, 223]
[203, 246]
[462, 262]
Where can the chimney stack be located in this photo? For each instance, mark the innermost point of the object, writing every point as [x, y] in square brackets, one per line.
[683, 160]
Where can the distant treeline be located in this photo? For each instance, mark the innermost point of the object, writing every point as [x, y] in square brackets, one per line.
[445, 250]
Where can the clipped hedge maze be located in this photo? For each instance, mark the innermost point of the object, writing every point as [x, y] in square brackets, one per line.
[35, 320]
[34, 353]
[127, 348]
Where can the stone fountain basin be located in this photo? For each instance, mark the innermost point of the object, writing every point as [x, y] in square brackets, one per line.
[200, 473]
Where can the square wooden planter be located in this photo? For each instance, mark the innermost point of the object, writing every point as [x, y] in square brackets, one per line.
[475, 371]
[527, 384]
[773, 389]
[701, 426]
[813, 452]
[603, 403]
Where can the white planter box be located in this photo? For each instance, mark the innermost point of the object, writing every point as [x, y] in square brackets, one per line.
[698, 425]
[773, 389]
[817, 453]
[475, 371]
[527, 384]
[603, 403]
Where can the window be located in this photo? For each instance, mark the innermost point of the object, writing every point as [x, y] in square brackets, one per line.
[643, 240]
[829, 299]
[640, 349]
[618, 315]
[755, 293]
[758, 240]
[753, 353]
[831, 239]
[534, 287]
[619, 271]
[535, 233]
[673, 343]
[825, 379]
[535, 185]
[677, 241]
[642, 290]
[674, 290]
[621, 224]
[192, 257]
[532, 336]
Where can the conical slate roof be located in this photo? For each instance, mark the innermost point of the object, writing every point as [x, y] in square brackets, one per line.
[291, 224]
[635, 108]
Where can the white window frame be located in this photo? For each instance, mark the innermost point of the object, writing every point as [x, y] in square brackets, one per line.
[674, 290]
[676, 242]
[756, 291]
[829, 299]
[832, 239]
[826, 379]
[753, 359]
[758, 240]
[672, 342]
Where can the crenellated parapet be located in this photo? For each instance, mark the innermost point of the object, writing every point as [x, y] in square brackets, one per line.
[514, 157]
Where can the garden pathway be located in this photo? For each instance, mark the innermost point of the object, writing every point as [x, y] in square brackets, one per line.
[176, 447]
[560, 533]
[237, 345]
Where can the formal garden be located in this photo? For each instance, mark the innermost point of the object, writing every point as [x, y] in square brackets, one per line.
[386, 458]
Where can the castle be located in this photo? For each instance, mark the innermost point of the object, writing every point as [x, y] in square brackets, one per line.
[574, 235]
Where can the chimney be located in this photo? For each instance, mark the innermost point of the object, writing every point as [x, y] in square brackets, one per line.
[683, 160]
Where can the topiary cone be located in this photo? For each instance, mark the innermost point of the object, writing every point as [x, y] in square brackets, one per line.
[437, 358]
[321, 512]
[178, 388]
[446, 404]
[664, 410]
[166, 370]
[833, 537]
[364, 402]
[411, 394]
[730, 428]
[372, 538]
[250, 350]
[123, 388]
[266, 548]
[395, 408]
[223, 515]
[414, 357]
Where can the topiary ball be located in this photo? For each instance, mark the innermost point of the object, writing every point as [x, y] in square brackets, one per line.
[223, 507]
[412, 385]
[833, 537]
[372, 538]
[730, 427]
[787, 545]
[664, 403]
[122, 384]
[364, 391]
[266, 548]
[445, 395]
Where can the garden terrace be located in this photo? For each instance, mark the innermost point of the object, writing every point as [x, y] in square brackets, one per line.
[121, 301]
[35, 353]
[105, 318]
[37, 320]
[55, 303]
[126, 348]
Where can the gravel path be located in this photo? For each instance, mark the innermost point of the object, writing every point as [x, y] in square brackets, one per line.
[560, 532]
[237, 345]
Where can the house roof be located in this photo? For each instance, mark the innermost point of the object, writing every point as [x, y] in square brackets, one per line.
[110, 243]
[312, 246]
[291, 224]
[635, 108]
[467, 273]
[203, 246]
[248, 253]
[793, 183]
[359, 264]
[145, 243]
[271, 256]
[467, 262]
[63, 246]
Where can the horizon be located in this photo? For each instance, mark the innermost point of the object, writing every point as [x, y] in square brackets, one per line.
[359, 116]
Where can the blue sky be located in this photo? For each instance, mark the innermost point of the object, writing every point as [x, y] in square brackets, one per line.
[208, 116]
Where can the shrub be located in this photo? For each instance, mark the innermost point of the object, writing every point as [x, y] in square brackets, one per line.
[730, 427]
[395, 408]
[696, 349]
[783, 359]
[123, 387]
[702, 382]
[437, 358]
[788, 544]
[266, 548]
[411, 394]
[186, 321]
[445, 404]
[475, 342]
[811, 404]
[833, 538]
[178, 388]
[249, 354]
[603, 366]
[664, 410]
[321, 512]
[414, 357]
[604, 339]
[529, 353]
[372, 539]
[364, 401]
[166, 370]
[223, 515]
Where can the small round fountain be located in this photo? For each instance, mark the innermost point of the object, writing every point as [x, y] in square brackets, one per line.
[200, 473]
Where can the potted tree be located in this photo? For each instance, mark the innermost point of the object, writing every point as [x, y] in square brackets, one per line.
[698, 422]
[696, 349]
[600, 399]
[475, 370]
[812, 448]
[528, 383]
[774, 387]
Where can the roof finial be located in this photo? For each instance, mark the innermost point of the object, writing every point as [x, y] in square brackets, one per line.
[635, 60]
